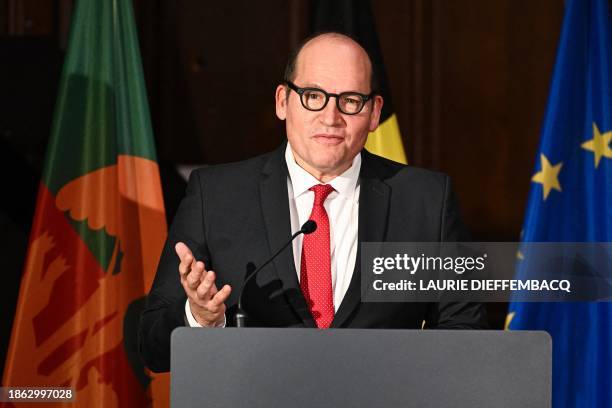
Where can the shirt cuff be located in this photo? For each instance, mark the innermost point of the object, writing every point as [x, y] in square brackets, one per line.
[194, 323]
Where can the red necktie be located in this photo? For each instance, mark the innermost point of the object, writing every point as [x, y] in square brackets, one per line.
[315, 270]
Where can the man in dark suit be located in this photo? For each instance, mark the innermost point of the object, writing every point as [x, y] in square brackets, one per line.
[235, 216]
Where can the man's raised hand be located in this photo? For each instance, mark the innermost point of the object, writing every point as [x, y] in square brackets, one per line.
[207, 303]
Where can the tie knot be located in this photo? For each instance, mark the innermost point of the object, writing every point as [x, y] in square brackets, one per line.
[321, 192]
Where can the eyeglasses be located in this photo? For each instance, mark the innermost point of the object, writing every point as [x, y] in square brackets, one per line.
[315, 99]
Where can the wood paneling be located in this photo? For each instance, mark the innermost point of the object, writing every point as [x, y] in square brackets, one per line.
[31, 17]
[469, 81]
[214, 71]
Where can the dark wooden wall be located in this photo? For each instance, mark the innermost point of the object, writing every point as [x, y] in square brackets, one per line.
[469, 81]
[212, 68]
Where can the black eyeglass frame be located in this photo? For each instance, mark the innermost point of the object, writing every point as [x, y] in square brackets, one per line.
[301, 91]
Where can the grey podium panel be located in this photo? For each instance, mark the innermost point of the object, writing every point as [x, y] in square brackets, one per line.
[257, 367]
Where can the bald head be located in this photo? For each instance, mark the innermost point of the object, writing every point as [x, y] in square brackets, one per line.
[332, 47]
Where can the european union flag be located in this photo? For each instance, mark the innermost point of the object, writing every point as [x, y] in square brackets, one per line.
[571, 201]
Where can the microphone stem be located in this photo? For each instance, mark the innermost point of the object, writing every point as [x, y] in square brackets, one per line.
[240, 315]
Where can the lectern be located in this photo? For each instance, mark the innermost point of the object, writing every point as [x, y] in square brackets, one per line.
[259, 367]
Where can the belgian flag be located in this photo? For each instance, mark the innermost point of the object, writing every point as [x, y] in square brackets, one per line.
[98, 229]
[354, 18]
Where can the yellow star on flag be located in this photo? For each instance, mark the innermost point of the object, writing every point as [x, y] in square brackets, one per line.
[548, 176]
[599, 145]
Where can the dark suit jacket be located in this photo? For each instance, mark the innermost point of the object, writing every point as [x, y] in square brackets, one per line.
[235, 215]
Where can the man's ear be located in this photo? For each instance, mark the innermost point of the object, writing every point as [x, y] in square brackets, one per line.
[377, 105]
[281, 102]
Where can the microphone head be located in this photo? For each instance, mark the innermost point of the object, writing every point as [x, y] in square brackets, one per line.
[309, 227]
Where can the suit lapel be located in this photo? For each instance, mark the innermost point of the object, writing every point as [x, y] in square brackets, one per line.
[373, 218]
[277, 220]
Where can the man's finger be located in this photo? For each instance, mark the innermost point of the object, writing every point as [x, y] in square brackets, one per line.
[182, 250]
[185, 265]
[206, 286]
[221, 296]
[194, 276]
[186, 257]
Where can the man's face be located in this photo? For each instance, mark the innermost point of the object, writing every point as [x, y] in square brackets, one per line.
[325, 142]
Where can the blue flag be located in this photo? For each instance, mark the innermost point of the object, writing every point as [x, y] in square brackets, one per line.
[571, 201]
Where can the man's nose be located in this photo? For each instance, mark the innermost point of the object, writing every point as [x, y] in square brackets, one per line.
[330, 115]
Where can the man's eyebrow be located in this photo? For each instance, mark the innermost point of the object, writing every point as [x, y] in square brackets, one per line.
[315, 85]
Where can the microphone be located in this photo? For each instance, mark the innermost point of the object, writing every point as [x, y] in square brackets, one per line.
[308, 228]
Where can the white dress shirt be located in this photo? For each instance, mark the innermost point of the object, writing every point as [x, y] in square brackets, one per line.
[342, 206]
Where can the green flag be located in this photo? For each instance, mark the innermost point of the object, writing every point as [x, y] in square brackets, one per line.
[99, 225]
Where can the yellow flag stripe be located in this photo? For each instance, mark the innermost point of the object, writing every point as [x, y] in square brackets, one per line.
[386, 141]
[509, 318]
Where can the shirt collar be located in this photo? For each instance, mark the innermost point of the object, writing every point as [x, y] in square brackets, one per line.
[301, 180]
